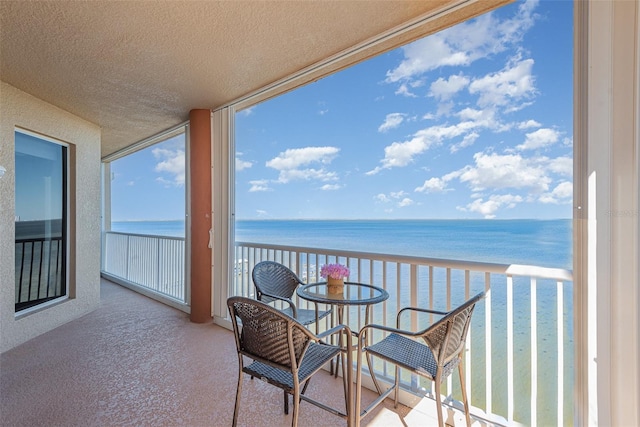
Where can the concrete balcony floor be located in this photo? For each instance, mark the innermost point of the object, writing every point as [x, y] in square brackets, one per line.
[137, 362]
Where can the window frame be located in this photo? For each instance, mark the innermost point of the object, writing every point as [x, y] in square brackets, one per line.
[65, 222]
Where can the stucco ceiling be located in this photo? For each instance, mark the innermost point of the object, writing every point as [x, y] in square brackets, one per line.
[136, 68]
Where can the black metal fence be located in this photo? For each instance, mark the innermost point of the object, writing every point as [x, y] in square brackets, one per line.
[40, 271]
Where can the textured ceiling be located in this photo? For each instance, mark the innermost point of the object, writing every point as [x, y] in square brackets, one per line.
[136, 68]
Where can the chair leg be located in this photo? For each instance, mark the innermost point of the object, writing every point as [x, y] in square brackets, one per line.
[372, 373]
[464, 394]
[238, 396]
[439, 402]
[286, 403]
[397, 386]
[296, 405]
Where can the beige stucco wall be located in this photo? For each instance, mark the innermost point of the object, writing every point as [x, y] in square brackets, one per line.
[19, 109]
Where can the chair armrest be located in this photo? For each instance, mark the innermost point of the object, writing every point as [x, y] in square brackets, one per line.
[421, 310]
[283, 299]
[342, 329]
[362, 335]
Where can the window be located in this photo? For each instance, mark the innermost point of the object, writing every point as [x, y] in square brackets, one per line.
[40, 220]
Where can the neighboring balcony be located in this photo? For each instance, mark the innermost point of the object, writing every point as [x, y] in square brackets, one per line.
[519, 358]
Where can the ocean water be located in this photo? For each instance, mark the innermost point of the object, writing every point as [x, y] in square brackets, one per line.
[546, 243]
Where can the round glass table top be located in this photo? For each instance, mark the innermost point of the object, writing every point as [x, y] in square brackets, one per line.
[353, 294]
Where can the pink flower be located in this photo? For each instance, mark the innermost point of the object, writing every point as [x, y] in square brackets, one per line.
[335, 271]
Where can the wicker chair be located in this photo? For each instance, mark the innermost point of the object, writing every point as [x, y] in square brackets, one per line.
[435, 359]
[284, 353]
[275, 282]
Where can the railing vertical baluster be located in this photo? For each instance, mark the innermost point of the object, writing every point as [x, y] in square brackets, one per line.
[49, 268]
[560, 332]
[534, 352]
[449, 378]
[30, 272]
[510, 396]
[487, 342]
[40, 269]
[467, 361]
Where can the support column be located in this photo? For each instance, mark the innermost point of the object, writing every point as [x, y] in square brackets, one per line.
[201, 214]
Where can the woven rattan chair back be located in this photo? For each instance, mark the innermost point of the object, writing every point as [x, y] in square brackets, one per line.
[447, 336]
[266, 334]
[275, 282]
[272, 278]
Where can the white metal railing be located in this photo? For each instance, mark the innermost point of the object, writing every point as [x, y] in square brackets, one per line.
[156, 263]
[520, 345]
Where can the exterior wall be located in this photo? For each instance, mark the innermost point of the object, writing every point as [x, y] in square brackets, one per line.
[19, 109]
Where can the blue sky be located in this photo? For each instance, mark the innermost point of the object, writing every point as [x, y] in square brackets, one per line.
[471, 122]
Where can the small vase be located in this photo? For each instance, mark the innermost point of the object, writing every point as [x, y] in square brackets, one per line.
[335, 286]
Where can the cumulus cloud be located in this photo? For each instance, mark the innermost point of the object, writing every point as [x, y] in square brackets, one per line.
[292, 163]
[528, 124]
[540, 138]
[399, 196]
[433, 185]
[512, 84]
[405, 202]
[171, 162]
[443, 89]
[488, 208]
[382, 198]
[242, 164]
[463, 44]
[400, 154]
[259, 185]
[505, 171]
[330, 187]
[392, 120]
[562, 193]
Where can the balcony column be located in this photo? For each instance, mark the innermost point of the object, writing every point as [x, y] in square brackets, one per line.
[201, 214]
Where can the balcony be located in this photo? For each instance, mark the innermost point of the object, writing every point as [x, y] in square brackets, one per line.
[521, 336]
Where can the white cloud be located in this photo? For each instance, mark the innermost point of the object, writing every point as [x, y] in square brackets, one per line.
[403, 90]
[397, 194]
[392, 120]
[496, 171]
[242, 164]
[262, 213]
[381, 198]
[433, 185]
[400, 154]
[259, 185]
[528, 124]
[560, 165]
[330, 187]
[463, 44]
[562, 193]
[443, 89]
[296, 157]
[467, 141]
[405, 202]
[489, 207]
[289, 164]
[540, 138]
[173, 163]
[514, 83]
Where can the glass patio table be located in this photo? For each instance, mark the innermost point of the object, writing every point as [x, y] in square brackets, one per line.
[353, 294]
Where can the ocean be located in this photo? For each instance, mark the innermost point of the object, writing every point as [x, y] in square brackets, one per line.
[546, 243]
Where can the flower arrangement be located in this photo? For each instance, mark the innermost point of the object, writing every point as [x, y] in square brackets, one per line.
[334, 271]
